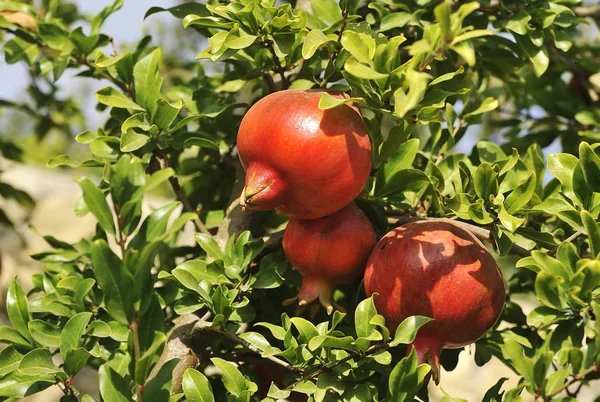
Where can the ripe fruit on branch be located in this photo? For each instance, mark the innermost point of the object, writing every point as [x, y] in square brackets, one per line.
[439, 270]
[327, 252]
[304, 161]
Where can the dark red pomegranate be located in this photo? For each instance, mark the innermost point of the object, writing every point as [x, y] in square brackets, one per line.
[305, 162]
[439, 270]
[327, 252]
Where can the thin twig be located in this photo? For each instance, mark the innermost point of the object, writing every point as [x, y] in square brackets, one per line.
[278, 67]
[458, 126]
[163, 163]
[372, 349]
[569, 239]
[203, 327]
[136, 351]
[576, 378]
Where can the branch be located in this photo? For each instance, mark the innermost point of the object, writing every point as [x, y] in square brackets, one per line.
[202, 327]
[478, 232]
[569, 239]
[372, 349]
[575, 379]
[178, 346]
[136, 352]
[278, 67]
[163, 163]
[235, 220]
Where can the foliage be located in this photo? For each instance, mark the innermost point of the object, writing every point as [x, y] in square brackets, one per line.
[422, 72]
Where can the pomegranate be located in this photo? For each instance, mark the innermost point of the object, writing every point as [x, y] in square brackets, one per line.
[439, 270]
[327, 252]
[305, 162]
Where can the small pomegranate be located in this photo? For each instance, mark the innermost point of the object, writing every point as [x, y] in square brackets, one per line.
[439, 270]
[305, 162]
[327, 252]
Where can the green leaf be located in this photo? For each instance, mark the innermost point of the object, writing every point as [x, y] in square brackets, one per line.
[592, 231]
[206, 21]
[562, 167]
[55, 37]
[547, 290]
[485, 181]
[556, 381]
[447, 77]
[306, 329]
[159, 387]
[407, 330]
[17, 49]
[10, 359]
[202, 143]
[487, 105]
[132, 141]
[115, 281]
[537, 55]
[406, 379]
[590, 164]
[44, 333]
[11, 336]
[18, 385]
[166, 113]
[147, 80]
[355, 68]
[313, 41]
[329, 102]
[327, 11]
[405, 102]
[518, 23]
[270, 274]
[209, 245]
[70, 337]
[38, 362]
[442, 15]
[96, 203]
[144, 363]
[521, 195]
[232, 378]
[109, 96]
[65, 160]
[476, 33]
[402, 159]
[17, 309]
[102, 15]
[360, 46]
[113, 387]
[365, 311]
[196, 387]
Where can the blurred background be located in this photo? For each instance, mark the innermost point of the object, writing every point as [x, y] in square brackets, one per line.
[70, 108]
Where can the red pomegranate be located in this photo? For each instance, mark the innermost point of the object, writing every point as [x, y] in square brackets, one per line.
[305, 162]
[327, 252]
[439, 270]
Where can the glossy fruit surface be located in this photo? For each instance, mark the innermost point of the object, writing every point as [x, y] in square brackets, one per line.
[327, 252]
[305, 162]
[439, 270]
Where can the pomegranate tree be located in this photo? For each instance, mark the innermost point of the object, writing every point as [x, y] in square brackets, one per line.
[303, 161]
[327, 252]
[439, 270]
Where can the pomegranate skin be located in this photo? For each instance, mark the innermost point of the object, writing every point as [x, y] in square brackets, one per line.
[305, 162]
[439, 270]
[327, 252]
